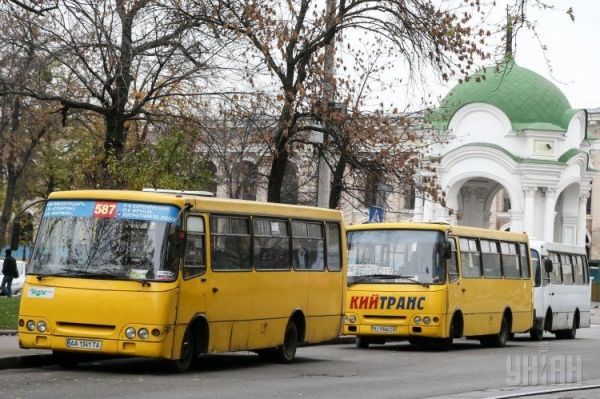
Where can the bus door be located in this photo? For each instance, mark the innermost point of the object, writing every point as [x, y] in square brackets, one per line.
[553, 294]
[473, 296]
[454, 284]
[539, 298]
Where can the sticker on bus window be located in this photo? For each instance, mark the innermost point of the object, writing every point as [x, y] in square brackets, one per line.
[112, 210]
[165, 275]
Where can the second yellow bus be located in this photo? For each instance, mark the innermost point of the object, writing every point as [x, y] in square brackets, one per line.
[430, 283]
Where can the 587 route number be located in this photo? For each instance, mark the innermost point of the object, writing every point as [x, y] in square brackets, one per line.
[105, 209]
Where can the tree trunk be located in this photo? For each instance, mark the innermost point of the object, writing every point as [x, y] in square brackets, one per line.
[337, 182]
[114, 148]
[276, 175]
[9, 198]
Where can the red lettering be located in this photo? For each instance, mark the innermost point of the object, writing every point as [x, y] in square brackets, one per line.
[354, 302]
[374, 301]
[364, 302]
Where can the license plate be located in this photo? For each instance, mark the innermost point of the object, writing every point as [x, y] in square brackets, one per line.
[383, 329]
[84, 344]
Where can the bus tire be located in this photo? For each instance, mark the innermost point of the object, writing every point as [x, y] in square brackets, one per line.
[497, 340]
[287, 351]
[445, 344]
[536, 333]
[187, 353]
[363, 342]
[568, 334]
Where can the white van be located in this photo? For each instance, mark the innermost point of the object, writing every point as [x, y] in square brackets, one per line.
[17, 283]
[562, 289]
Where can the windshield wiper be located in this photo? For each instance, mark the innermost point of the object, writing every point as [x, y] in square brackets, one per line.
[92, 275]
[366, 277]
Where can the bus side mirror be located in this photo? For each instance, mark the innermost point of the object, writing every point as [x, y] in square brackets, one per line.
[447, 248]
[548, 267]
[178, 241]
[14, 239]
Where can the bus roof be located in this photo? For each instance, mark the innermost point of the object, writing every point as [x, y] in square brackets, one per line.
[457, 230]
[543, 246]
[203, 204]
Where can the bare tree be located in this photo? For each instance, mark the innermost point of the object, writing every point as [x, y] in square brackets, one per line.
[118, 59]
[289, 38]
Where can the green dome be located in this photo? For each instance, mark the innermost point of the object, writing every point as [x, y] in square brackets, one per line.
[529, 100]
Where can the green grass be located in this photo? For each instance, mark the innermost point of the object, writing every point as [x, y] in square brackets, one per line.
[9, 313]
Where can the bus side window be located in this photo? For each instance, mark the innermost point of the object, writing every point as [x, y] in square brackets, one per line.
[452, 264]
[334, 258]
[555, 276]
[524, 261]
[470, 258]
[271, 244]
[578, 275]
[490, 257]
[510, 260]
[308, 251]
[537, 267]
[230, 243]
[566, 269]
[195, 258]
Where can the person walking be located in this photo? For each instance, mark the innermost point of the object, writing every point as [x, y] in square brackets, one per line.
[9, 270]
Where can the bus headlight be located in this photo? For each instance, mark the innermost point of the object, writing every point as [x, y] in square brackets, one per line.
[417, 319]
[352, 319]
[42, 326]
[30, 325]
[143, 333]
[130, 333]
[345, 318]
[426, 319]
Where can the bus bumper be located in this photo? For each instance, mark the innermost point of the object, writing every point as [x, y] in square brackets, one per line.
[108, 347]
[436, 330]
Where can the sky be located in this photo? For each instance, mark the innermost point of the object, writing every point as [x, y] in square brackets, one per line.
[571, 60]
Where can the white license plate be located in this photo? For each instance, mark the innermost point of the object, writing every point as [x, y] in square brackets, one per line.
[383, 329]
[84, 344]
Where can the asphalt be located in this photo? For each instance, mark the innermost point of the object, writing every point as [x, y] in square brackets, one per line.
[11, 356]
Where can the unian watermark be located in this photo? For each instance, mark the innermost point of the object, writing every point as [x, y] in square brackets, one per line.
[543, 368]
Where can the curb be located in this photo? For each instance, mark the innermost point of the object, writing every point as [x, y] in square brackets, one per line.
[8, 332]
[17, 362]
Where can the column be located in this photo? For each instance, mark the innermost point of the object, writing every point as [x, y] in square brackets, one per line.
[418, 215]
[529, 210]
[427, 211]
[549, 204]
[582, 219]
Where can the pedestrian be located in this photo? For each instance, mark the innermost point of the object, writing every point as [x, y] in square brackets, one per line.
[9, 270]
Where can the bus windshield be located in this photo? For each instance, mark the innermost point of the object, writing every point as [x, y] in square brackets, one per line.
[104, 239]
[396, 256]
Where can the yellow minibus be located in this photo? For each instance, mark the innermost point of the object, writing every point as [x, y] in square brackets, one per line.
[432, 282]
[173, 275]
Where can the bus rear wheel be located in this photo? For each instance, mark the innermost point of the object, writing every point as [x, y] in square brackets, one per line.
[497, 340]
[286, 352]
[568, 334]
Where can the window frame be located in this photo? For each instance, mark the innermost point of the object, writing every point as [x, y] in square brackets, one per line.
[204, 239]
[477, 251]
[323, 239]
[340, 246]
[517, 257]
[253, 243]
[251, 236]
[454, 250]
[498, 253]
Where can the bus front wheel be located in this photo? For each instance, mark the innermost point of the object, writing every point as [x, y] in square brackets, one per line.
[537, 332]
[363, 342]
[187, 352]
